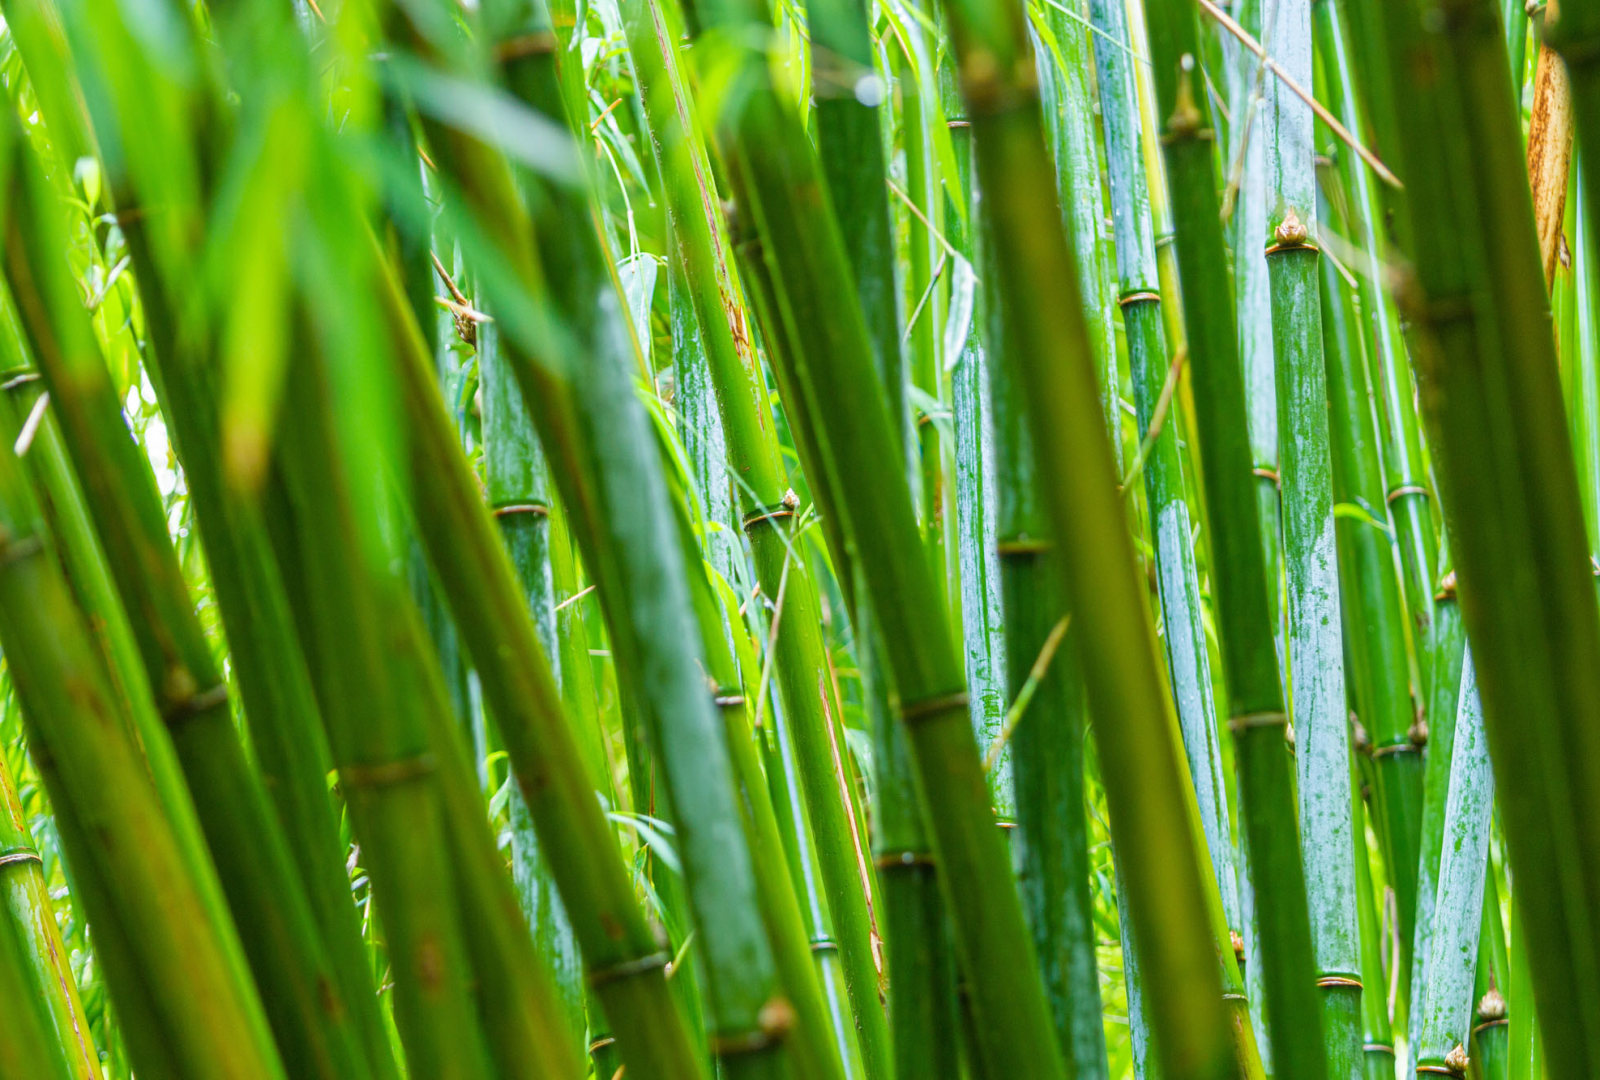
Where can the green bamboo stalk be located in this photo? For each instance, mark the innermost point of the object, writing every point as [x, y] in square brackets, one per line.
[625, 968]
[1458, 913]
[257, 874]
[926, 279]
[1489, 1050]
[607, 472]
[42, 971]
[1067, 93]
[61, 502]
[211, 1022]
[1444, 707]
[1525, 1044]
[27, 893]
[1247, 154]
[1408, 489]
[1048, 728]
[273, 681]
[1114, 638]
[773, 165]
[1488, 365]
[1315, 640]
[1048, 715]
[1139, 286]
[349, 611]
[29, 1046]
[918, 967]
[812, 714]
[1377, 1033]
[1377, 602]
[1188, 660]
[849, 95]
[517, 490]
[1239, 579]
[815, 1049]
[972, 410]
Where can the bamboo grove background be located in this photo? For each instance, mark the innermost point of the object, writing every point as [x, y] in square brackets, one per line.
[1014, 538]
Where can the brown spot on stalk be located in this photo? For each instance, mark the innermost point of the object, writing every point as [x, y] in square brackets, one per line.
[1550, 154]
[430, 964]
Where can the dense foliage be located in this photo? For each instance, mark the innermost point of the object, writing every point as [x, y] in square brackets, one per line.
[671, 538]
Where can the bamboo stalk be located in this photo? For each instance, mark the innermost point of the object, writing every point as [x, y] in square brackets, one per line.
[257, 875]
[626, 968]
[608, 475]
[1188, 661]
[1123, 679]
[815, 1048]
[1488, 365]
[1377, 1034]
[774, 166]
[42, 992]
[1315, 641]
[517, 490]
[204, 1004]
[272, 676]
[1239, 579]
[28, 1045]
[1252, 297]
[1488, 1049]
[1446, 1001]
[809, 701]
[919, 966]
[1048, 735]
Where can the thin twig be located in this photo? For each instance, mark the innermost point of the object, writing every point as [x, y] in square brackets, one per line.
[1301, 92]
[937, 235]
[1041, 665]
[1157, 418]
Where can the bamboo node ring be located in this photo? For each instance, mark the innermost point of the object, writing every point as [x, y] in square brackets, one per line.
[1407, 489]
[781, 509]
[1377, 1048]
[536, 44]
[1268, 474]
[627, 969]
[1240, 724]
[933, 706]
[19, 855]
[385, 773]
[1137, 297]
[1023, 546]
[1329, 982]
[534, 508]
[1406, 746]
[602, 1042]
[196, 704]
[888, 860]
[727, 700]
[824, 944]
[1231, 996]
